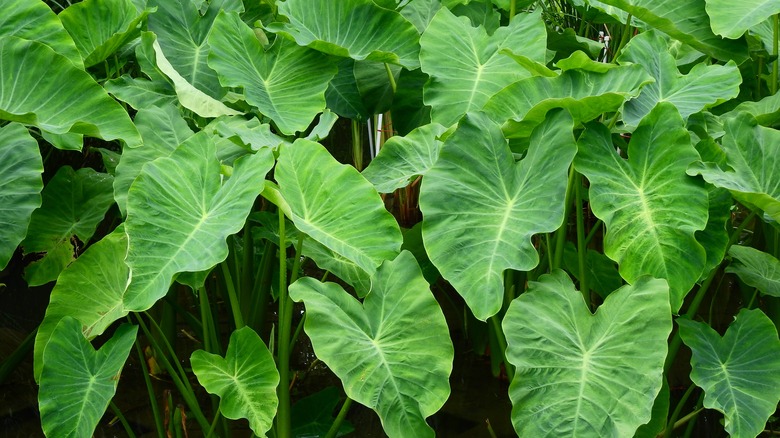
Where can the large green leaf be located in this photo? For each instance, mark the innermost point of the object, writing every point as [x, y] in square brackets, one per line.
[686, 21]
[35, 21]
[74, 203]
[752, 173]
[91, 290]
[357, 29]
[100, 27]
[20, 186]
[245, 379]
[162, 129]
[78, 382]
[393, 353]
[466, 65]
[731, 19]
[286, 82]
[602, 272]
[179, 215]
[403, 158]
[738, 372]
[481, 208]
[580, 374]
[335, 205]
[704, 86]
[756, 268]
[77, 105]
[141, 93]
[650, 207]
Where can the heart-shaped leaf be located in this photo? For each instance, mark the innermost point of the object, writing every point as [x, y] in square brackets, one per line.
[334, 205]
[330, 27]
[466, 81]
[731, 19]
[20, 186]
[756, 268]
[35, 21]
[481, 208]
[569, 380]
[179, 214]
[392, 353]
[286, 82]
[78, 382]
[752, 173]
[650, 207]
[738, 372]
[704, 86]
[245, 379]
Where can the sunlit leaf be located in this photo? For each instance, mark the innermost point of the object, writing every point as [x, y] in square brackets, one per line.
[141, 93]
[74, 203]
[35, 21]
[466, 65]
[756, 268]
[245, 379]
[332, 27]
[179, 213]
[650, 207]
[77, 382]
[392, 352]
[738, 371]
[481, 208]
[569, 378]
[20, 186]
[731, 19]
[286, 83]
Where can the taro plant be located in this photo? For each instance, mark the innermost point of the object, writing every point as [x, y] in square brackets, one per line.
[592, 186]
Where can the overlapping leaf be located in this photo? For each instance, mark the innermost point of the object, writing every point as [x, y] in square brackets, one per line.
[20, 186]
[572, 378]
[179, 214]
[35, 21]
[650, 207]
[78, 382]
[78, 105]
[357, 29]
[333, 204]
[731, 19]
[738, 372]
[756, 268]
[392, 353]
[752, 170]
[702, 87]
[466, 65]
[481, 208]
[245, 379]
[286, 82]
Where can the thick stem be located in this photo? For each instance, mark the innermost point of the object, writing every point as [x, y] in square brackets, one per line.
[238, 319]
[357, 146]
[775, 36]
[581, 245]
[560, 235]
[334, 428]
[390, 77]
[510, 370]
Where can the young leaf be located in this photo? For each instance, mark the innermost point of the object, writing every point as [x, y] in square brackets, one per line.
[738, 372]
[756, 268]
[179, 215]
[731, 19]
[569, 379]
[245, 379]
[286, 82]
[650, 207]
[333, 204]
[78, 105]
[357, 29]
[35, 21]
[702, 87]
[78, 382]
[466, 65]
[20, 186]
[74, 203]
[392, 353]
[752, 173]
[481, 208]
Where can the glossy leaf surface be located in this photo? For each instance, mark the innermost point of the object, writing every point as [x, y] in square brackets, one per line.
[392, 352]
[481, 208]
[35, 21]
[756, 268]
[245, 379]
[572, 377]
[738, 371]
[732, 19]
[650, 207]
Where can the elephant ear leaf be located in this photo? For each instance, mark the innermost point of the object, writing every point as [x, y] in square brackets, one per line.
[738, 372]
[731, 19]
[756, 268]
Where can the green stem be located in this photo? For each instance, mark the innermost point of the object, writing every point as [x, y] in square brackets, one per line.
[238, 319]
[10, 363]
[776, 35]
[512, 9]
[283, 427]
[510, 371]
[214, 423]
[560, 236]
[357, 146]
[334, 428]
[158, 421]
[581, 246]
[595, 229]
[122, 419]
[391, 78]
[624, 37]
[677, 410]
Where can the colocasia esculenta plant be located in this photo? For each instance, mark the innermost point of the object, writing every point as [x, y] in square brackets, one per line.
[591, 189]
